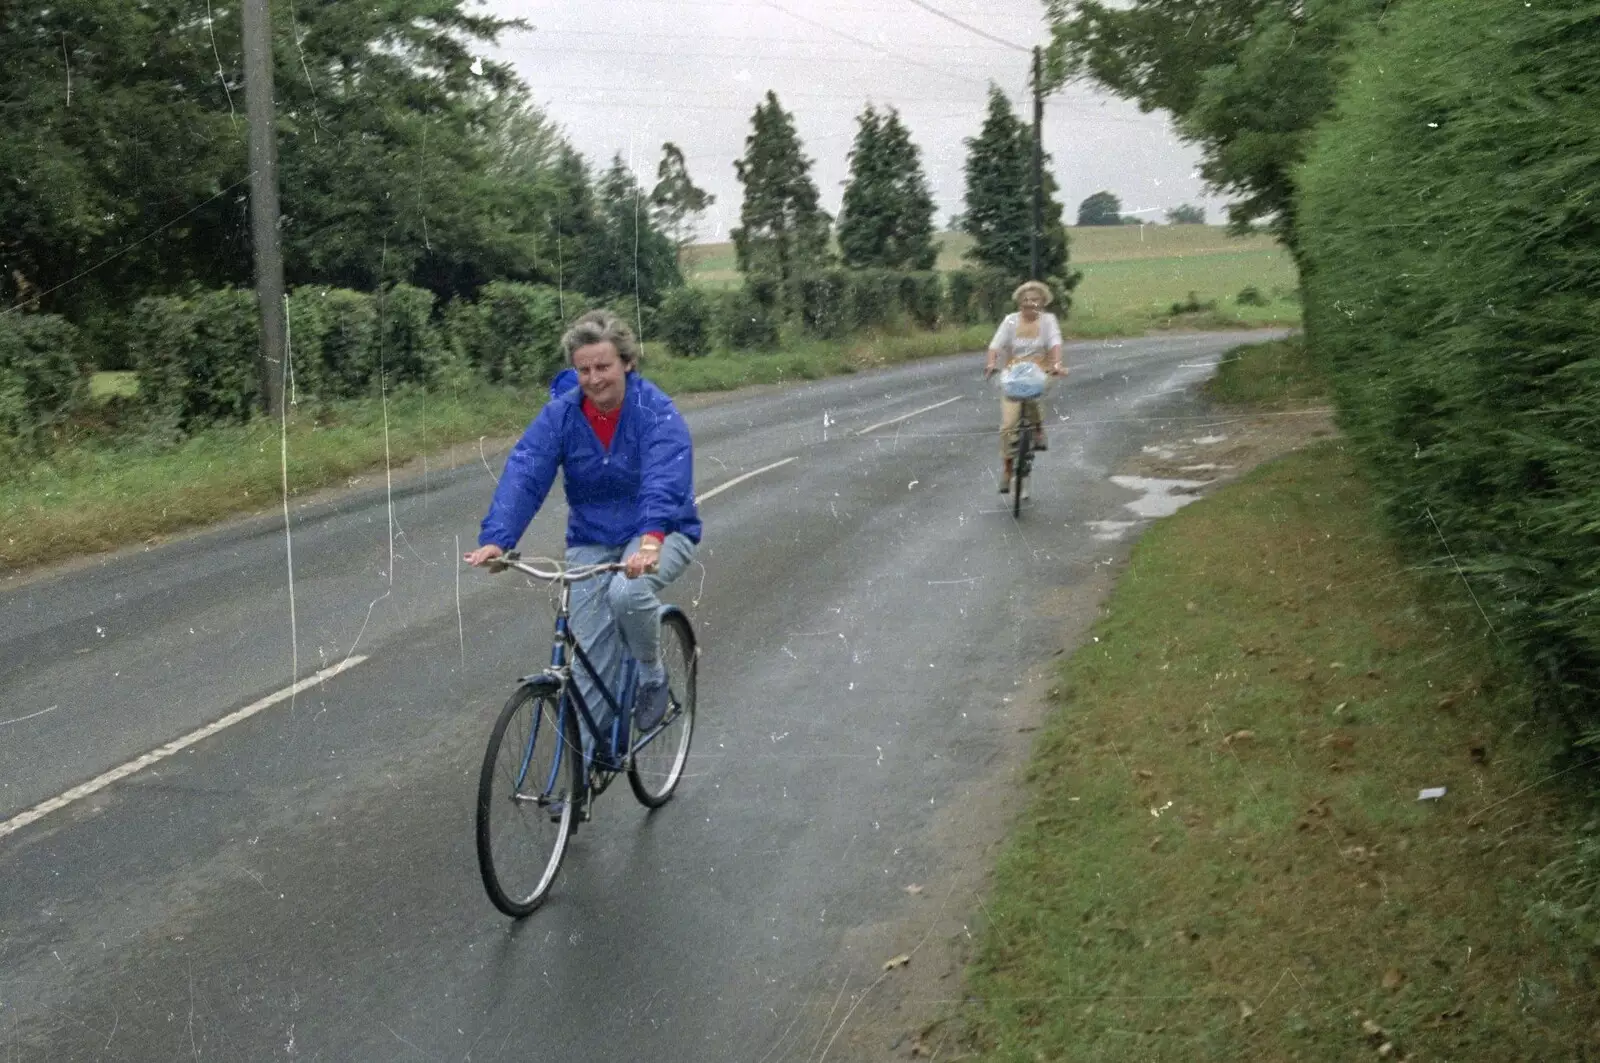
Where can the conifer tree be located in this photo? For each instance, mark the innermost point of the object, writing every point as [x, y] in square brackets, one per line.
[887, 216]
[626, 254]
[783, 232]
[999, 214]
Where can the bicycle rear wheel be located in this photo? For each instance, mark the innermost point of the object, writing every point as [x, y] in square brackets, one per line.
[526, 796]
[658, 764]
[1020, 463]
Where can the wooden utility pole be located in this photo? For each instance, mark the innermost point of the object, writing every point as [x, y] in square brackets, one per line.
[1036, 237]
[261, 114]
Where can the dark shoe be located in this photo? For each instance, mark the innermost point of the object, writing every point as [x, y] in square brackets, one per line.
[650, 698]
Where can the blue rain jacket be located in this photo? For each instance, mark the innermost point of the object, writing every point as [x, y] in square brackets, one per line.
[644, 482]
[565, 381]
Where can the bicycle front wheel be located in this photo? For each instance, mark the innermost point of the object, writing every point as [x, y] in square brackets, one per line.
[527, 791]
[660, 755]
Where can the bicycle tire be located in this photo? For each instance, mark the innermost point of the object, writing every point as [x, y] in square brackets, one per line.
[655, 769]
[520, 848]
[1019, 465]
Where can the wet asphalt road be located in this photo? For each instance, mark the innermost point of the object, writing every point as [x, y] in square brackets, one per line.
[302, 885]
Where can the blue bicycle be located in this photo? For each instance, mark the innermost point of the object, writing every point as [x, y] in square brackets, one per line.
[538, 780]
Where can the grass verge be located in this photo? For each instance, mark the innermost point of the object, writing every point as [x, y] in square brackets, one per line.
[105, 495]
[1223, 854]
[1272, 376]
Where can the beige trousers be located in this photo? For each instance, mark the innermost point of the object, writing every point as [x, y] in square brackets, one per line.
[1011, 413]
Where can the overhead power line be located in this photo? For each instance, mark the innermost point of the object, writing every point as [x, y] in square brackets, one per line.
[868, 44]
[651, 35]
[966, 26]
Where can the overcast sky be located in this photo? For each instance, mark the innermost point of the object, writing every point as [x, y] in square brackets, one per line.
[622, 76]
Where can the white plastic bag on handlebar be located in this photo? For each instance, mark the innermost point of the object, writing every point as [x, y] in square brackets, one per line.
[1023, 380]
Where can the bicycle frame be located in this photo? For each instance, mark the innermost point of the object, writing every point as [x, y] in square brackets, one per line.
[561, 671]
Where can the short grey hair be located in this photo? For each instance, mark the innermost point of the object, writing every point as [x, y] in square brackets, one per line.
[601, 326]
[1046, 296]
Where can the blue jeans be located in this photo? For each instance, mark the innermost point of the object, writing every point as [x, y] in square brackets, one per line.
[614, 617]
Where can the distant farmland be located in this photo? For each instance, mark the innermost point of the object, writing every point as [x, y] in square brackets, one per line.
[1128, 271]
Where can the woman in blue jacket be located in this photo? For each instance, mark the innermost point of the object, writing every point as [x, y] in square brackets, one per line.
[628, 466]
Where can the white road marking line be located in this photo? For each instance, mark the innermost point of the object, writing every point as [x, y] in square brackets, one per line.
[177, 745]
[737, 480]
[905, 416]
[31, 715]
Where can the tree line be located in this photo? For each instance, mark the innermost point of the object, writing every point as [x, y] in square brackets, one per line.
[429, 210]
[405, 158]
[886, 219]
[1434, 168]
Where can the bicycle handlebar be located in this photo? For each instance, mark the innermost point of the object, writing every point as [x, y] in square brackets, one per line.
[558, 571]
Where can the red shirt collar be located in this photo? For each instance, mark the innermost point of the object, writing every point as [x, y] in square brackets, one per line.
[603, 423]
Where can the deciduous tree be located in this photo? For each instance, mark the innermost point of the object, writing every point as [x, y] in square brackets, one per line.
[676, 201]
[1246, 80]
[1102, 208]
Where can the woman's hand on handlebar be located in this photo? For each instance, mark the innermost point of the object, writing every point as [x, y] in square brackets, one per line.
[641, 562]
[483, 555]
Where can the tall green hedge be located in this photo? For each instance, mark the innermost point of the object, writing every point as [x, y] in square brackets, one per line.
[1450, 220]
[197, 356]
[982, 295]
[744, 321]
[412, 348]
[512, 333]
[825, 304]
[684, 318]
[921, 298]
[43, 379]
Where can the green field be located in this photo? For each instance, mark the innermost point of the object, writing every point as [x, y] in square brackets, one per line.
[1128, 271]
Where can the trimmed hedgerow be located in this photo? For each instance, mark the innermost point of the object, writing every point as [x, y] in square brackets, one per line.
[512, 333]
[825, 308]
[197, 357]
[1450, 227]
[43, 379]
[684, 320]
[743, 322]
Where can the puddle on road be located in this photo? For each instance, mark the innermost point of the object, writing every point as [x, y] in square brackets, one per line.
[1162, 498]
[1109, 531]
